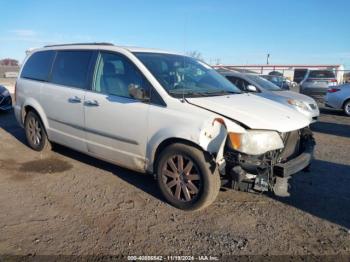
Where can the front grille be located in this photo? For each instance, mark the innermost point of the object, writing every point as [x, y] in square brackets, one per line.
[8, 101]
[5, 101]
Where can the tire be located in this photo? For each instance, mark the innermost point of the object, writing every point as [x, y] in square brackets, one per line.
[346, 107]
[185, 169]
[36, 133]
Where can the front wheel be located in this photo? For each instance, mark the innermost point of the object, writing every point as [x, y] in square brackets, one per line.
[347, 108]
[35, 133]
[186, 178]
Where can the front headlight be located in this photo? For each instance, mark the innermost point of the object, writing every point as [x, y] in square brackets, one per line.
[5, 93]
[298, 104]
[256, 142]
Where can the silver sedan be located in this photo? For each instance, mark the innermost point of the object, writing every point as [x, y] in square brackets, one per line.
[338, 97]
[261, 87]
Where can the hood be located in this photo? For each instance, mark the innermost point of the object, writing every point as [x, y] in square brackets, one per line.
[296, 96]
[253, 111]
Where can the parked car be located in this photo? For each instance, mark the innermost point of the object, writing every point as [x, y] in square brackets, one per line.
[316, 83]
[5, 99]
[260, 86]
[279, 81]
[338, 97]
[164, 114]
[299, 75]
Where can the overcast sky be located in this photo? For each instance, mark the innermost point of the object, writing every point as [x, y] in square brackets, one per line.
[233, 31]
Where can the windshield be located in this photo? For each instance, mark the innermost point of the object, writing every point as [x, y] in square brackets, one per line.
[263, 83]
[181, 75]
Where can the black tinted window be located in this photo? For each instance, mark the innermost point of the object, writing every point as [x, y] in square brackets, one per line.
[321, 74]
[71, 68]
[237, 82]
[38, 66]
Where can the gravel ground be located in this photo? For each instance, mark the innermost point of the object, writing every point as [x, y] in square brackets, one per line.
[68, 203]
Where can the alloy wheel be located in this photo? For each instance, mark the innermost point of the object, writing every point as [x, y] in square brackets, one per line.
[347, 108]
[35, 131]
[181, 177]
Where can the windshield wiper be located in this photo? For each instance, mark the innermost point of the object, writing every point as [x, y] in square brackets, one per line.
[222, 92]
[186, 93]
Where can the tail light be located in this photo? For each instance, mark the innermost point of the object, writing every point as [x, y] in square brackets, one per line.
[333, 90]
[333, 80]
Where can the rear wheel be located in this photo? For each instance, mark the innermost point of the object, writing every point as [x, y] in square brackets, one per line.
[186, 179]
[347, 107]
[35, 133]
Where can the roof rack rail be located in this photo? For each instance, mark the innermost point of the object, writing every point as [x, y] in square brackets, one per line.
[96, 43]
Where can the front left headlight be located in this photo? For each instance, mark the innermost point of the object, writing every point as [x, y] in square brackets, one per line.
[255, 142]
[298, 104]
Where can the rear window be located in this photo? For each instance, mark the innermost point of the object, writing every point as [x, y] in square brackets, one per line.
[38, 66]
[71, 68]
[321, 74]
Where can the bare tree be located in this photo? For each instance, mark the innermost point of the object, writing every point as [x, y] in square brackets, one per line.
[195, 54]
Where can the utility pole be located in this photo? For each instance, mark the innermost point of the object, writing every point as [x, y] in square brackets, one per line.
[267, 59]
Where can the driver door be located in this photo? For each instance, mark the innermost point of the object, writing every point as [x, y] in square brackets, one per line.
[116, 124]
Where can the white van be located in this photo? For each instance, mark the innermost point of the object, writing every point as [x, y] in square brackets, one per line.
[161, 113]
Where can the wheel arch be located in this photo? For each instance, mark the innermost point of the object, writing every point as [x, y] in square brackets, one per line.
[34, 106]
[167, 142]
[345, 101]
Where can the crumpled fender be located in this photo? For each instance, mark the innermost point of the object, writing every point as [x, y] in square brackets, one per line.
[213, 136]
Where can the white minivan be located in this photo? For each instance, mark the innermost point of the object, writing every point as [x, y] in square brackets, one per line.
[161, 113]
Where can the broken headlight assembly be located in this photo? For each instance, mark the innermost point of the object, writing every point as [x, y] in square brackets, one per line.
[255, 142]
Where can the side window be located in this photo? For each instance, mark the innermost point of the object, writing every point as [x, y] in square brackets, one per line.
[38, 66]
[71, 68]
[115, 74]
[237, 82]
[245, 84]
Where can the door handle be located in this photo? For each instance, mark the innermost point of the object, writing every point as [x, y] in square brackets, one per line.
[91, 103]
[74, 99]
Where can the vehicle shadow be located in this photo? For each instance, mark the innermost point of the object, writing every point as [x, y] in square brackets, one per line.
[331, 128]
[145, 182]
[330, 111]
[323, 192]
[9, 124]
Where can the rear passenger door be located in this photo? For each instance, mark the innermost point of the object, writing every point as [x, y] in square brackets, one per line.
[116, 124]
[63, 98]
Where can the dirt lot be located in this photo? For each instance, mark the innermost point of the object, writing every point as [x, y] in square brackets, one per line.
[68, 203]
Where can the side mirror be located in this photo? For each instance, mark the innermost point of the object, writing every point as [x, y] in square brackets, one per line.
[138, 92]
[252, 88]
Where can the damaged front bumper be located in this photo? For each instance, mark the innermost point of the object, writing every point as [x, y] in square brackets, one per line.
[272, 170]
[297, 164]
